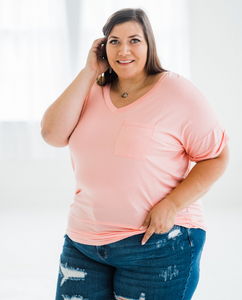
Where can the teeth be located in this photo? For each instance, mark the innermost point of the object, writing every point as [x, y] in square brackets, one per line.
[124, 61]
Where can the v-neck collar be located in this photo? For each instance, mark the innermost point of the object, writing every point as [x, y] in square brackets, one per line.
[117, 110]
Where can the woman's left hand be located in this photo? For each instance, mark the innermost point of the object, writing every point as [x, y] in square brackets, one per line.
[160, 219]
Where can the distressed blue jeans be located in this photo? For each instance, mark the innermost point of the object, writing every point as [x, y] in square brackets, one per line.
[165, 268]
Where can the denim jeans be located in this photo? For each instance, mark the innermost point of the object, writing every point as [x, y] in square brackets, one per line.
[165, 268]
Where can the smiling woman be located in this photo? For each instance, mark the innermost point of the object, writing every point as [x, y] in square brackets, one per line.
[126, 51]
[136, 228]
[142, 33]
[131, 53]
[127, 57]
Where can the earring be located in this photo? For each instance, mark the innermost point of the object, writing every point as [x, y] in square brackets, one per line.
[110, 69]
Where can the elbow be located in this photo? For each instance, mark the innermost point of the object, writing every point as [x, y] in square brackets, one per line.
[52, 139]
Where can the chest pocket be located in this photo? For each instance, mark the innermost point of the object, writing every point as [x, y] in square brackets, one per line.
[133, 140]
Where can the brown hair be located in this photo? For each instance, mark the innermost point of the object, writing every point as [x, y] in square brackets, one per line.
[153, 65]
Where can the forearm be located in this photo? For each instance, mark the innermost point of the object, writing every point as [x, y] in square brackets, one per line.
[203, 175]
[62, 116]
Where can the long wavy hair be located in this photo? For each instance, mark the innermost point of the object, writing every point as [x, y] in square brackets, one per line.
[153, 65]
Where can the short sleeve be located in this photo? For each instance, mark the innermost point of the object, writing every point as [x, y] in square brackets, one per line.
[210, 146]
[202, 135]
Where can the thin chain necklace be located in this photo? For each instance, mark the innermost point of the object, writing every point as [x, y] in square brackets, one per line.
[124, 95]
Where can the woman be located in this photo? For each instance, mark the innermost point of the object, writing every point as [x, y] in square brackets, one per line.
[136, 227]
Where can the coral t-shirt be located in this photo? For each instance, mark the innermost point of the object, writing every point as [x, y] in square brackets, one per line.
[128, 159]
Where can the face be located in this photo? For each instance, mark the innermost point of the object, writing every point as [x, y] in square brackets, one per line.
[127, 50]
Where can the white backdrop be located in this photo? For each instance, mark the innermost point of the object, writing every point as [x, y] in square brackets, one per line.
[34, 57]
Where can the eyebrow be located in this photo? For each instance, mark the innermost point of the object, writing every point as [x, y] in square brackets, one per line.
[115, 37]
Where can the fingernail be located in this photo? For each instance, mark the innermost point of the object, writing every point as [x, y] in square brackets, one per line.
[143, 242]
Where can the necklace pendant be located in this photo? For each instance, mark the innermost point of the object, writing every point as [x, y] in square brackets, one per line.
[124, 95]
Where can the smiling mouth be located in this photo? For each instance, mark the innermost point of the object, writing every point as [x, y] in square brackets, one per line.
[124, 62]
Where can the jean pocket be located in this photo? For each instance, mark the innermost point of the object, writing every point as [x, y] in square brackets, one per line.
[134, 139]
[162, 233]
[175, 228]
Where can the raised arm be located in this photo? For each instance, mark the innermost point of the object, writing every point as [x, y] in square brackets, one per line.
[62, 116]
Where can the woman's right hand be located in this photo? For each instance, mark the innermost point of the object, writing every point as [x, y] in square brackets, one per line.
[95, 61]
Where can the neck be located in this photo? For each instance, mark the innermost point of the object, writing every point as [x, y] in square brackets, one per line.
[127, 84]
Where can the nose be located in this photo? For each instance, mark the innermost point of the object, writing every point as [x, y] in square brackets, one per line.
[124, 49]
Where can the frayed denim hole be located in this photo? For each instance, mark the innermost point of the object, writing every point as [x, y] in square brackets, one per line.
[70, 271]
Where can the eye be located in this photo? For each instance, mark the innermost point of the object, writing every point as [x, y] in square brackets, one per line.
[114, 42]
[135, 41]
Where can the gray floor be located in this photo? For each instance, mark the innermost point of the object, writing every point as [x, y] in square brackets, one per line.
[32, 241]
